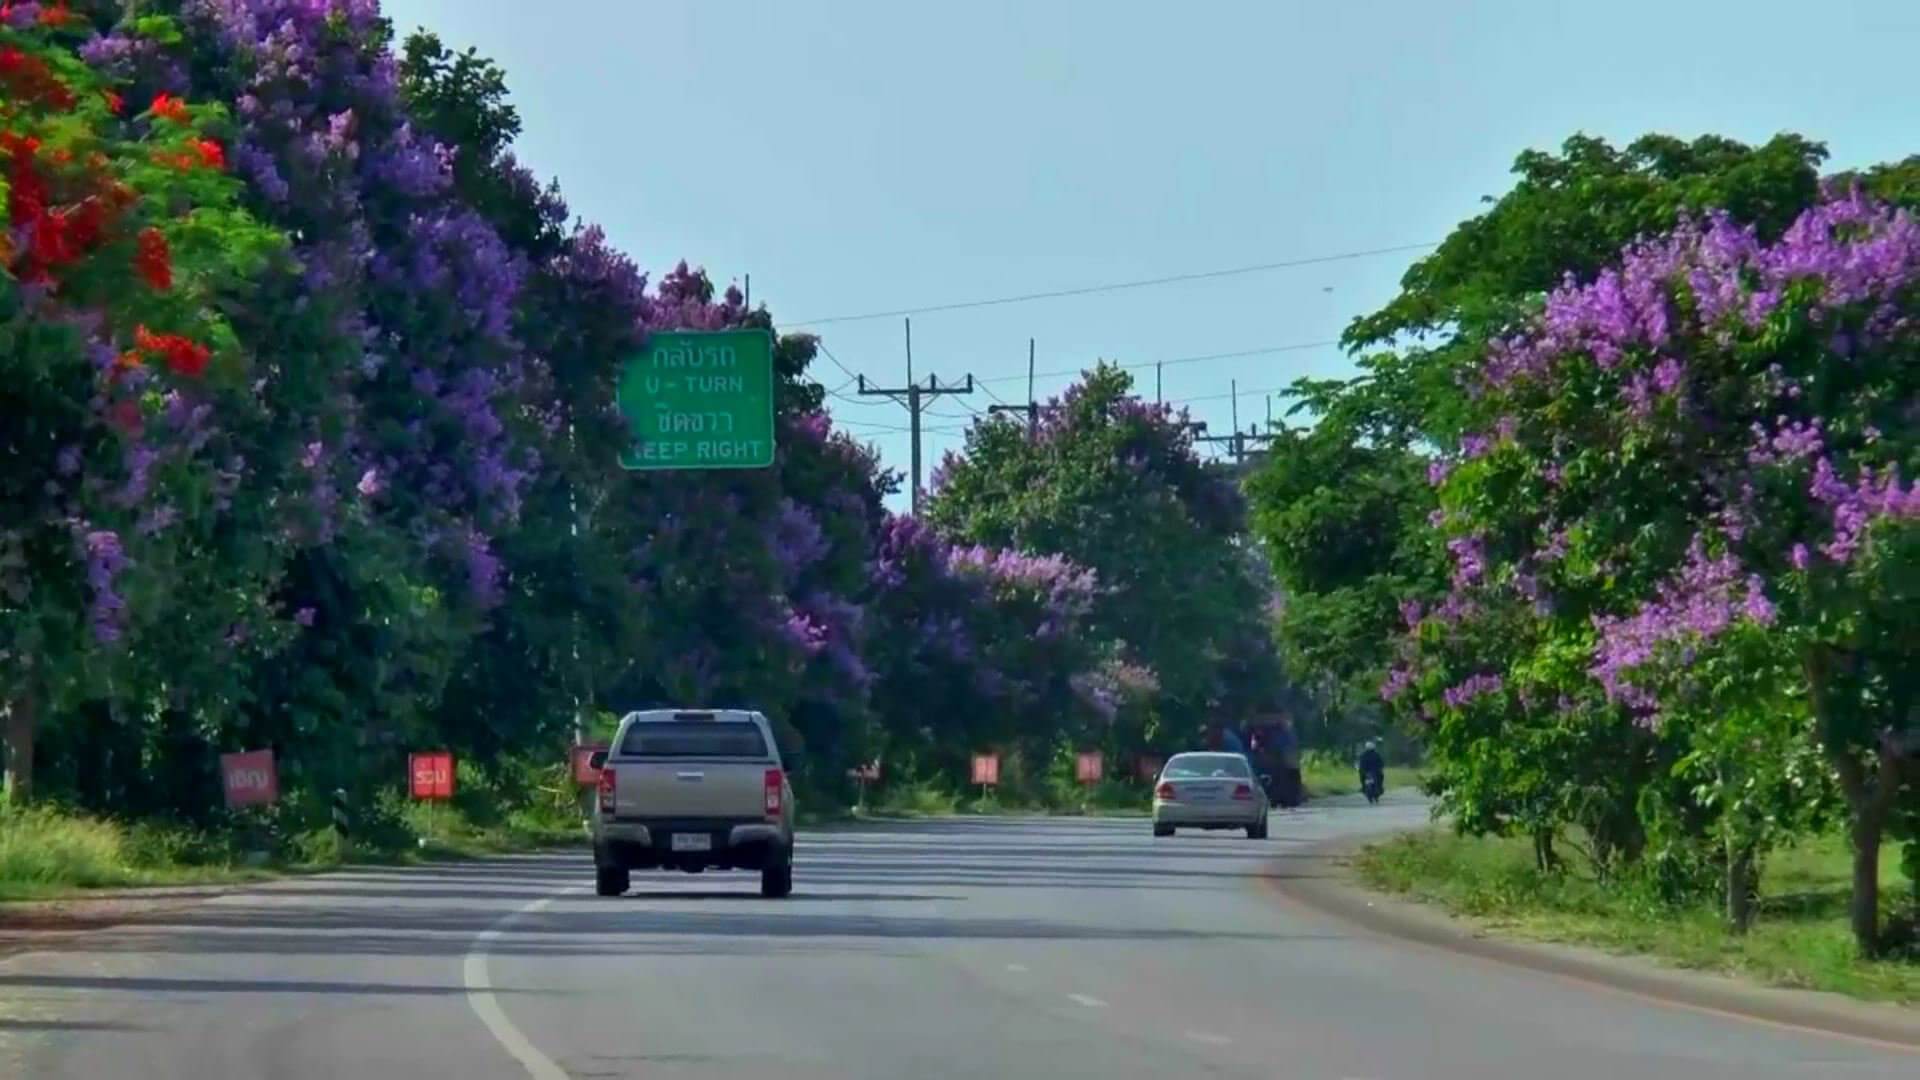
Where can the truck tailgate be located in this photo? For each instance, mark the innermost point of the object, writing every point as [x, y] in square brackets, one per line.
[683, 789]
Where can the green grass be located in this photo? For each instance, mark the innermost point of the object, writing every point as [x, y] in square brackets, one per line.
[1800, 938]
[1324, 776]
[916, 799]
[47, 852]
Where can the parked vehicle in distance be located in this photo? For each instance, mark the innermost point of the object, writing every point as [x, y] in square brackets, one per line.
[1209, 790]
[692, 789]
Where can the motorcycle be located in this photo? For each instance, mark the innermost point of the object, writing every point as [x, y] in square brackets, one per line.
[1372, 786]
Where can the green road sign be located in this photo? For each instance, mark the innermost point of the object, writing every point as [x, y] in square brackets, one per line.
[700, 400]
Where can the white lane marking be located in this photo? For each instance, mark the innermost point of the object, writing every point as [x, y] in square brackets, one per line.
[481, 1000]
[1089, 1002]
[1016, 967]
[1207, 1037]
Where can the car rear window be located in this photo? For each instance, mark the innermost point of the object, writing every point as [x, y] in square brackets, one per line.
[694, 738]
[1212, 766]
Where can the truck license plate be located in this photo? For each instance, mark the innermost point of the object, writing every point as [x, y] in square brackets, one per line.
[692, 841]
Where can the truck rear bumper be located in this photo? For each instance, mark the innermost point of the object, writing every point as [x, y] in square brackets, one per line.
[647, 843]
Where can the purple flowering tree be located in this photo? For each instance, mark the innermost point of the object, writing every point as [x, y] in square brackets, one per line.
[985, 649]
[1691, 503]
[1112, 483]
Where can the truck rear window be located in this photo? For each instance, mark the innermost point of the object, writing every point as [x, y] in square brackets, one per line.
[694, 738]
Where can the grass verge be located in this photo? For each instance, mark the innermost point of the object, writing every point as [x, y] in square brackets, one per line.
[1323, 778]
[1799, 940]
[49, 853]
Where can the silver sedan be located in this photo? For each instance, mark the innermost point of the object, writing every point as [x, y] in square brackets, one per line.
[1209, 791]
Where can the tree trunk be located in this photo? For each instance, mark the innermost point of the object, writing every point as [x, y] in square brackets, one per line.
[1864, 908]
[1870, 798]
[1545, 859]
[1869, 782]
[1742, 883]
[19, 735]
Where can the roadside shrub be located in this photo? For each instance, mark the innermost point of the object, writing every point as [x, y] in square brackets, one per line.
[44, 845]
[918, 798]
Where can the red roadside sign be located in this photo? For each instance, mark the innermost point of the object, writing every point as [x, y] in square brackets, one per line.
[249, 778]
[1087, 766]
[584, 773]
[868, 772]
[1150, 767]
[986, 769]
[430, 774]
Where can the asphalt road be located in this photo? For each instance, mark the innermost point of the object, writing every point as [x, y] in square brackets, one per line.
[961, 948]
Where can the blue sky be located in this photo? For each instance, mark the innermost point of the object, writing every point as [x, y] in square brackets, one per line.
[857, 156]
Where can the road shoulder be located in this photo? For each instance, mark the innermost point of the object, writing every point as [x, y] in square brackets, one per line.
[1331, 889]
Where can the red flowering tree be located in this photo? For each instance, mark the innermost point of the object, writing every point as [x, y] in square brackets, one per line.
[124, 238]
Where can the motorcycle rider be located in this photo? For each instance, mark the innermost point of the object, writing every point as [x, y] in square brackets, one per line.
[1372, 765]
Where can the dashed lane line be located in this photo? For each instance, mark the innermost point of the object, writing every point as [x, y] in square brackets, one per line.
[1207, 1037]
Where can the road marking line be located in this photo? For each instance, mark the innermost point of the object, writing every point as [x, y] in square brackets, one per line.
[486, 1006]
[1207, 1037]
[1016, 967]
[1089, 1002]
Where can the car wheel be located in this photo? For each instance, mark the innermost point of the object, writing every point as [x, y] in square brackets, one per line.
[776, 882]
[1162, 830]
[1257, 832]
[610, 881]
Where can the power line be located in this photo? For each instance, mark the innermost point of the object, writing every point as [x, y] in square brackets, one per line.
[1222, 397]
[1088, 290]
[844, 369]
[1301, 346]
[853, 379]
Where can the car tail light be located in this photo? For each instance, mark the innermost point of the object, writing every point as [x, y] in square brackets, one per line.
[1243, 791]
[606, 789]
[776, 780]
[1166, 793]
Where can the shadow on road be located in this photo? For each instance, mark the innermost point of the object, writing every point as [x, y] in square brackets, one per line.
[436, 911]
[67, 1025]
[150, 984]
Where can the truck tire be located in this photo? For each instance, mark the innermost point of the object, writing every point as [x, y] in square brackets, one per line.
[776, 882]
[610, 880]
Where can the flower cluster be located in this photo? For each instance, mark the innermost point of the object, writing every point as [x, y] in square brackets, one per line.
[181, 354]
[1710, 340]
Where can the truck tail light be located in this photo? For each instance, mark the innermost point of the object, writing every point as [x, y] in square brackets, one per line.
[1166, 793]
[776, 781]
[607, 783]
[1243, 791]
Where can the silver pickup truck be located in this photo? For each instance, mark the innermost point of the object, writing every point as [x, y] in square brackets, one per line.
[689, 789]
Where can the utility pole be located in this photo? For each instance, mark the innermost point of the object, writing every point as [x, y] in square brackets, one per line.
[1238, 450]
[915, 396]
[1237, 442]
[1157, 399]
[1032, 407]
